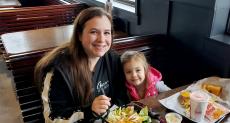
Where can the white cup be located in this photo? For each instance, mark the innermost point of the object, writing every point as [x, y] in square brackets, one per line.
[198, 105]
[173, 118]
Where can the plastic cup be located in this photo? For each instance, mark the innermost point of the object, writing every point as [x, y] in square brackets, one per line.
[198, 105]
[173, 118]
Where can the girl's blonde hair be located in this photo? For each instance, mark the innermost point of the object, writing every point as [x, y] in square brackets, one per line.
[137, 56]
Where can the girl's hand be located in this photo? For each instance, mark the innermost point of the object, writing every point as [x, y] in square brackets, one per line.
[101, 104]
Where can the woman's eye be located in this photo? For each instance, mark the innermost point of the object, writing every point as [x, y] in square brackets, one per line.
[107, 33]
[93, 32]
[128, 72]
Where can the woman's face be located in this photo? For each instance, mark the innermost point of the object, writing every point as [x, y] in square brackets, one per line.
[96, 37]
[134, 72]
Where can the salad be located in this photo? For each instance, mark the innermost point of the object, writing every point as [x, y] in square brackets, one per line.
[129, 115]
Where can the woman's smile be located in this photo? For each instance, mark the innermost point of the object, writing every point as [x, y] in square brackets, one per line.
[99, 46]
[96, 37]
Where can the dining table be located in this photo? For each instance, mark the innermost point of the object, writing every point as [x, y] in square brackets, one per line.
[9, 3]
[155, 106]
[37, 39]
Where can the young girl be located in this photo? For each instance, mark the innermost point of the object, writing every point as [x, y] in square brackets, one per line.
[142, 80]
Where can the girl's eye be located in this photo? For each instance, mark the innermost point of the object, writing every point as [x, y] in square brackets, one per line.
[138, 70]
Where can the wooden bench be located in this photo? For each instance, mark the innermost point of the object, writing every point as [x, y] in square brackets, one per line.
[28, 18]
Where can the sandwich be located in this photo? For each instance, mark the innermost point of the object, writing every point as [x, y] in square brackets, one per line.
[211, 88]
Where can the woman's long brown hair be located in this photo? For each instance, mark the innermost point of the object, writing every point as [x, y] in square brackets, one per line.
[77, 65]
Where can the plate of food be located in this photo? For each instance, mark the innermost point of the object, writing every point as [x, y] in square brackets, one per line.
[132, 113]
[129, 115]
[218, 105]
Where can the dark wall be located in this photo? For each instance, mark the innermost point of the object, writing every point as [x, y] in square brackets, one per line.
[153, 18]
[204, 17]
[196, 19]
[217, 53]
[195, 23]
[200, 17]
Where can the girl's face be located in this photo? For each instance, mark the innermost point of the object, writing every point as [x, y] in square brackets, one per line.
[96, 37]
[134, 72]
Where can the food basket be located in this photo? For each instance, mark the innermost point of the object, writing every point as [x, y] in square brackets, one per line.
[132, 113]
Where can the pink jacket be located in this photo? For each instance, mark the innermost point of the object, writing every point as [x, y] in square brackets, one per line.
[153, 77]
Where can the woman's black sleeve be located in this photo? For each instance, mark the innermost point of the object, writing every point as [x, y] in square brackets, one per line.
[60, 100]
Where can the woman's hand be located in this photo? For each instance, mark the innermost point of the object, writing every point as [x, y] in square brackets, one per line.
[101, 104]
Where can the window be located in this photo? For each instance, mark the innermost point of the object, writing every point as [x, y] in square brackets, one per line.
[228, 25]
[126, 2]
[128, 5]
[125, 9]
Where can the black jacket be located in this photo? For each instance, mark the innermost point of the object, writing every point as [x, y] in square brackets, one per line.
[108, 75]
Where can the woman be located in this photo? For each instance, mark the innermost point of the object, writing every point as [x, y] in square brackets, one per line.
[78, 78]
